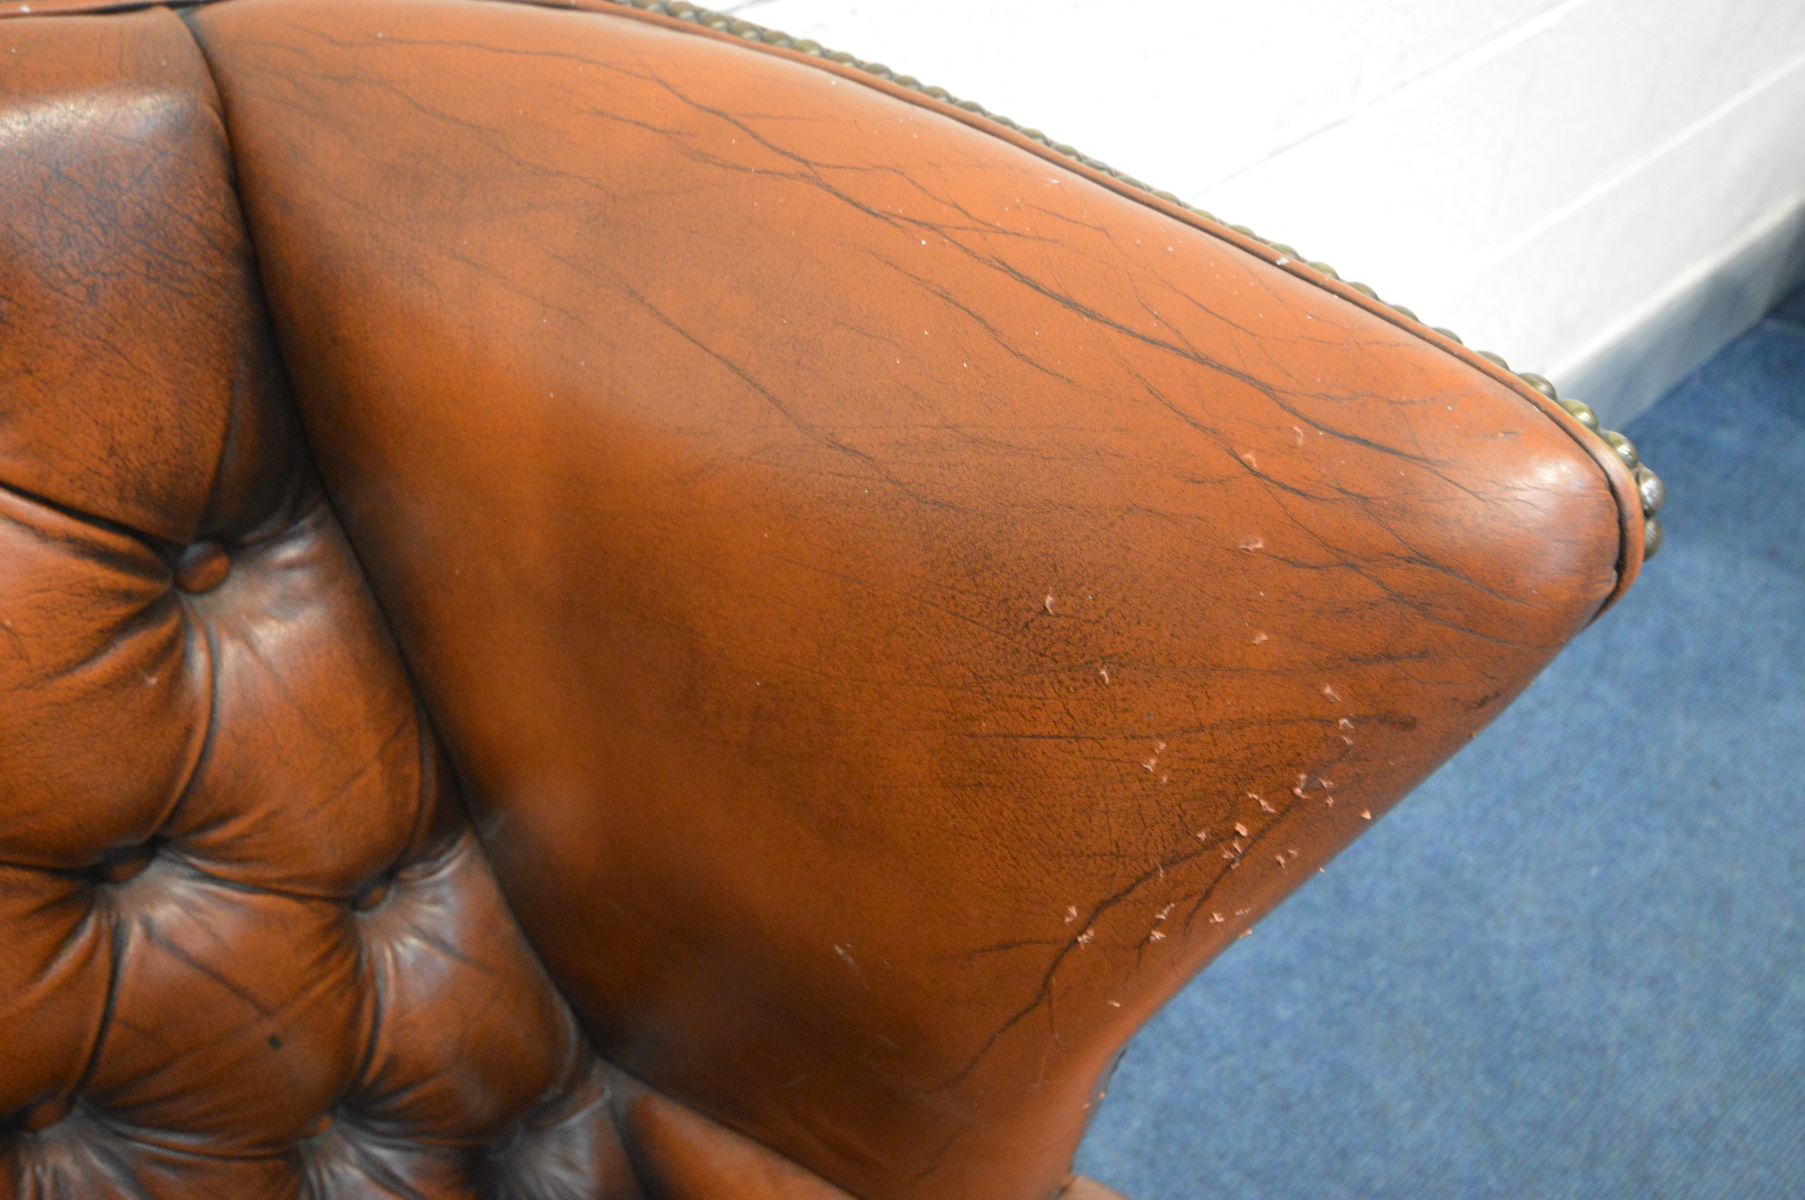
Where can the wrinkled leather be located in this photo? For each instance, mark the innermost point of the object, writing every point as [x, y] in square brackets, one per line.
[897, 602]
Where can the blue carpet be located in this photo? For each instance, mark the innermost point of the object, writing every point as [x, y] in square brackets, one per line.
[1572, 964]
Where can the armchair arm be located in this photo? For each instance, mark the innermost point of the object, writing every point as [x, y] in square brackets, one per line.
[900, 600]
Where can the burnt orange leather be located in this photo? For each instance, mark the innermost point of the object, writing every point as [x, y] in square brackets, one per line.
[895, 602]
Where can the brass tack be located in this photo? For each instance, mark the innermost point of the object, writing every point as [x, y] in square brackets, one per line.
[1624, 448]
[1582, 412]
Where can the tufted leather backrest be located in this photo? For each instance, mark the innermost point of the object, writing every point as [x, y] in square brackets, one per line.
[249, 945]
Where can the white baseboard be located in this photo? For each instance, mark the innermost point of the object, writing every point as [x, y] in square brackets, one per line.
[1639, 358]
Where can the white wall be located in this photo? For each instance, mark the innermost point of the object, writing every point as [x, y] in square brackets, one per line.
[1604, 190]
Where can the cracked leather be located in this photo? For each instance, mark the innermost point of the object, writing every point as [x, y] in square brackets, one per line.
[894, 604]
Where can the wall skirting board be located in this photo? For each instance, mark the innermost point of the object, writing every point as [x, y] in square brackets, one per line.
[1601, 190]
[1634, 362]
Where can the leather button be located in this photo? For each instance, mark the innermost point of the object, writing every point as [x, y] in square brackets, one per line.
[40, 1117]
[118, 866]
[371, 896]
[202, 567]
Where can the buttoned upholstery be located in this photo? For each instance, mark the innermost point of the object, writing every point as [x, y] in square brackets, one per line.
[249, 944]
[589, 610]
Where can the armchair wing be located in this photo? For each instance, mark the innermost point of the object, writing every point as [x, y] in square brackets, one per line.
[897, 599]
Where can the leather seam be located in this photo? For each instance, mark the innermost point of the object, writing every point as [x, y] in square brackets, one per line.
[163, 548]
[425, 724]
[100, 8]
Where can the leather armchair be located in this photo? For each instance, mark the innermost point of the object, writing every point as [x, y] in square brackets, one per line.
[597, 602]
